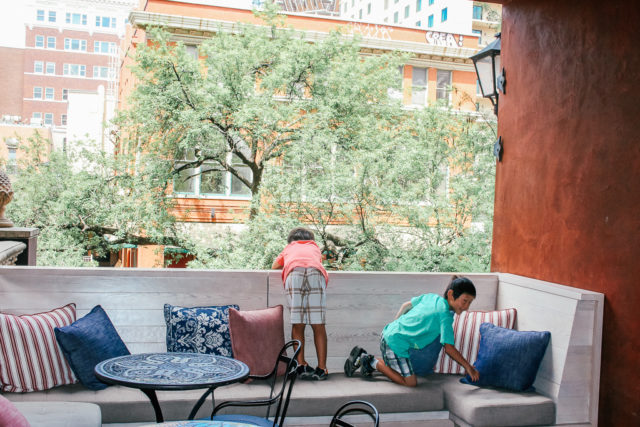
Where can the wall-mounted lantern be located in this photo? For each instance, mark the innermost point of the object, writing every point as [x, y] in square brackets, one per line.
[490, 76]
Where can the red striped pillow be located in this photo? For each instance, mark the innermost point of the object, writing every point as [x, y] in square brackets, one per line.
[466, 330]
[30, 358]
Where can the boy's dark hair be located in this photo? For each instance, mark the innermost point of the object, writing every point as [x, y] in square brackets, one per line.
[300, 233]
[460, 285]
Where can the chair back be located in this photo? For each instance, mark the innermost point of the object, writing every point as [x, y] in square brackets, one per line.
[283, 395]
[355, 407]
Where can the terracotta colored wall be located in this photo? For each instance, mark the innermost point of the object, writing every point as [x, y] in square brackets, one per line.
[567, 206]
[11, 63]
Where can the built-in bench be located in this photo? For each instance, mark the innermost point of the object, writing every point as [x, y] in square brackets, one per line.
[359, 305]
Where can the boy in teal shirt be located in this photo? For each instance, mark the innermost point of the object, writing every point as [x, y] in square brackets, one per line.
[425, 321]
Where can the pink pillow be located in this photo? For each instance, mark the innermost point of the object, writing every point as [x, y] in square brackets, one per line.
[466, 331]
[9, 415]
[30, 357]
[257, 337]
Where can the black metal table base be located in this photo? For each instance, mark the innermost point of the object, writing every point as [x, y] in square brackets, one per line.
[151, 394]
[200, 401]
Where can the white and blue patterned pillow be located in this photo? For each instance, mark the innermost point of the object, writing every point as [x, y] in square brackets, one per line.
[199, 329]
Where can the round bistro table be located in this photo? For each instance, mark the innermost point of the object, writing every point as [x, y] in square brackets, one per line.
[172, 371]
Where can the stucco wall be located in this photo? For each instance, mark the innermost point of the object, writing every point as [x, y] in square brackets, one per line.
[567, 204]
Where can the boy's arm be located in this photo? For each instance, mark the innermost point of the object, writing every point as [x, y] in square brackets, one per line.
[277, 265]
[455, 355]
[404, 308]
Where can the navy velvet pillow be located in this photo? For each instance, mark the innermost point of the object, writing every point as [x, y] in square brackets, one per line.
[87, 342]
[507, 358]
[199, 329]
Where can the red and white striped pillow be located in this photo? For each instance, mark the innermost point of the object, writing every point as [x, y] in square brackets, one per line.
[466, 330]
[30, 358]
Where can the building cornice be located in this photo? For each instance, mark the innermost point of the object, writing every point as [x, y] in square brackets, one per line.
[193, 30]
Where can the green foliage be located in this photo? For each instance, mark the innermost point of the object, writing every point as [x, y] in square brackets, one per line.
[85, 202]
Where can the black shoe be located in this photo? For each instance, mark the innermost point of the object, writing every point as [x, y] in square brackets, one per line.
[305, 372]
[352, 363]
[366, 370]
[319, 374]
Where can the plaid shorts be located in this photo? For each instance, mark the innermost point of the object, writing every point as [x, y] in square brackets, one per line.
[305, 292]
[401, 365]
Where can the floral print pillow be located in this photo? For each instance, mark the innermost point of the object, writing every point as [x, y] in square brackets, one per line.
[199, 329]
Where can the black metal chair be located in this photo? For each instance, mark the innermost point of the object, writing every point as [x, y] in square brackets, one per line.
[278, 399]
[355, 407]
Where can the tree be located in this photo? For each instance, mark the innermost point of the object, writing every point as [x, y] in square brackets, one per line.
[91, 211]
[248, 99]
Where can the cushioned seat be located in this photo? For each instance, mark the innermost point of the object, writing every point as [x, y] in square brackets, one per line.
[60, 414]
[492, 407]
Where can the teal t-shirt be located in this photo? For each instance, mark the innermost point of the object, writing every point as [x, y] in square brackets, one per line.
[429, 317]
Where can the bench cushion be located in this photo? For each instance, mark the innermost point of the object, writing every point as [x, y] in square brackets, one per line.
[61, 414]
[493, 407]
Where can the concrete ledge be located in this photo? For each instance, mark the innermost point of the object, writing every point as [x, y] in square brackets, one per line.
[9, 251]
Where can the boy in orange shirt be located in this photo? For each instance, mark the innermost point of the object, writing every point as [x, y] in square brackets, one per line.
[305, 282]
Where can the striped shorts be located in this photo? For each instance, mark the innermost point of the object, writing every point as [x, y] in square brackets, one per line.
[401, 365]
[305, 293]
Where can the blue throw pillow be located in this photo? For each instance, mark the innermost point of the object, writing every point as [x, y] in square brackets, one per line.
[199, 329]
[87, 342]
[507, 358]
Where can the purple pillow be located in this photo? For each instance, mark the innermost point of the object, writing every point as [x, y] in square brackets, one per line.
[257, 337]
[9, 414]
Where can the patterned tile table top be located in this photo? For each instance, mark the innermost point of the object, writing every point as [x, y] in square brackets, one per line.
[177, 371]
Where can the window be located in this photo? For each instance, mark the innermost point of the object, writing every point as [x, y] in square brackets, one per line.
[74, 70]
[479, 34]
[396, 93]
[419, 86]
[395, 17]
[38, 66]
[48, 118]
[443, 85]
[104, 47]
[443, 15]
[386, 4]
[37, 92]
[39, 41]
[40, 15]
[51, 68]
[12, 161]
[210, 180]
[65, 94]
[430, 2]
[345, 7]
[51, 42]
[52, 16]
[76, 18]
[430, 21]
[192, 50]
[63, 119]
[418, 5]
[75, 44]
[369, 9]
[477, 12]
[105, 22]
[360, 14]
[49, 93]
[100, 72]
[418, 24]
[406, 11]
[36, 117]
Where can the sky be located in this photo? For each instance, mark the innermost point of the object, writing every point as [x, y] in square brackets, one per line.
[12, 17]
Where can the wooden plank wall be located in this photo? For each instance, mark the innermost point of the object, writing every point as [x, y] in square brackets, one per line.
[570, 369]
[359, 304]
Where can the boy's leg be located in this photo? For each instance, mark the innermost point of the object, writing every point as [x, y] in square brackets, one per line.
[297, 333]
[397, 369]
[320, 340]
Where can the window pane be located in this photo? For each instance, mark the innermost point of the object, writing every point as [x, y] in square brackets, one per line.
[37, 67]
[40, 15]
[419, 86]
[184, 182]
[52, 16]
[39, 41]
[443, 84]
[237, 187]
[477, 12]
[212, 182]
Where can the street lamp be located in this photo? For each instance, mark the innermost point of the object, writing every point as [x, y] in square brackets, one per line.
[491, 78]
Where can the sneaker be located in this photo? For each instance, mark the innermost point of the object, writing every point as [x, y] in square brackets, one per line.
[305, 372]
[319, 374]
[366, 370]
[352, 363]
